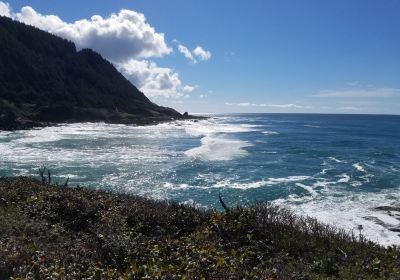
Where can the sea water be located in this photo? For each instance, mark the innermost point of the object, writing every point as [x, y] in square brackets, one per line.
[336, 168]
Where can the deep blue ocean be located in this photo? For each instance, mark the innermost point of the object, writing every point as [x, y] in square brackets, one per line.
[336, 168]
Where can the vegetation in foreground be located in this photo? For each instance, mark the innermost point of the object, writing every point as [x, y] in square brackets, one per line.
[56, 232]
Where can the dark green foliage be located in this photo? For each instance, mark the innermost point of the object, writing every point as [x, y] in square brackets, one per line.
[49, 232]
[43, 78]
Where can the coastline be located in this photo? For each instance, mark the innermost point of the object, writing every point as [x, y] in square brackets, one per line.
[74, 232]
[142, 121]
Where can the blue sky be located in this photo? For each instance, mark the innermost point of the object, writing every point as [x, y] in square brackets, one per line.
[242, 56]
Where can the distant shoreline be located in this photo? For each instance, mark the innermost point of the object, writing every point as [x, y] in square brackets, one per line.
[145, 121]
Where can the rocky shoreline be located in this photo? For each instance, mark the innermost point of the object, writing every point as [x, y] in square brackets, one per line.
[24, 124]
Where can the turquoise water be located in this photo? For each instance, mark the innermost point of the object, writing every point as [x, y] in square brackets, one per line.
[333, 167]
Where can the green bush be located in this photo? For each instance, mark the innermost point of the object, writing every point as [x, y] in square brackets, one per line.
[50, 232]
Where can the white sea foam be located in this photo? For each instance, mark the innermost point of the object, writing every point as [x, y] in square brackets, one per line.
[258, 184]
[274, 181]
[335, 159]
[219, 148]
[344, 178]
[313, 126]
[217, 143]
[207, 127]
[241, 186]
[359, 167]
[356, 184]
[349, 209]
[307, 188]
[324, 170]
[191, 202]
[172, 186]
[269, 132]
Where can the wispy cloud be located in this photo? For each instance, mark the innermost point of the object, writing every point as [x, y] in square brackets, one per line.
[353, 83]
[247, 104]
[194, 56]
[186, 52]
[188, 88]
[359, 93]
[350, 108]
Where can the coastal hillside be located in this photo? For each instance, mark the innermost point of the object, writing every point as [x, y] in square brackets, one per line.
[50, 231]
[43, 78]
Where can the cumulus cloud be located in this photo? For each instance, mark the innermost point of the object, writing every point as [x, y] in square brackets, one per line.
[5, 9]
[247, 104]
[118, 37]
[125, 38]
[201, 54]
[359, 93]
[155, 81]
[196, 55]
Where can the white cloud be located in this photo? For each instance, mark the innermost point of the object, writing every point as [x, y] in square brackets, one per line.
[148, 77]
[349, 108]
[201, 54]
[188, 88]
[359, 93]
[5, 9]
[155, 81]
[247, 104]
[198, 54]
[202, 96]
[185, 51]
[118, 37]
[288, 106]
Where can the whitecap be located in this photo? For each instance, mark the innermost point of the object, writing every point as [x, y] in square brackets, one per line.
[356, 184]
[344, 178]
[307, 188]
[207, 127]
[359, 167]
[268, 132]
[313, 126]
[219, 147]
[241, 186]
[289, 179]
[335, 159]
[323, 171]
[260, 183]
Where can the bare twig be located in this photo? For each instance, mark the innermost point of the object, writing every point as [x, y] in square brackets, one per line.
[226, 208]
[49, 177]
[41, 173]
[66, 182]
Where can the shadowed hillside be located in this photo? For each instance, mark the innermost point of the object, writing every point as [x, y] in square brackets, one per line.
[44, 79]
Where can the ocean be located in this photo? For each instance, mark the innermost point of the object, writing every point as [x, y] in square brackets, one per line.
[336, 168]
